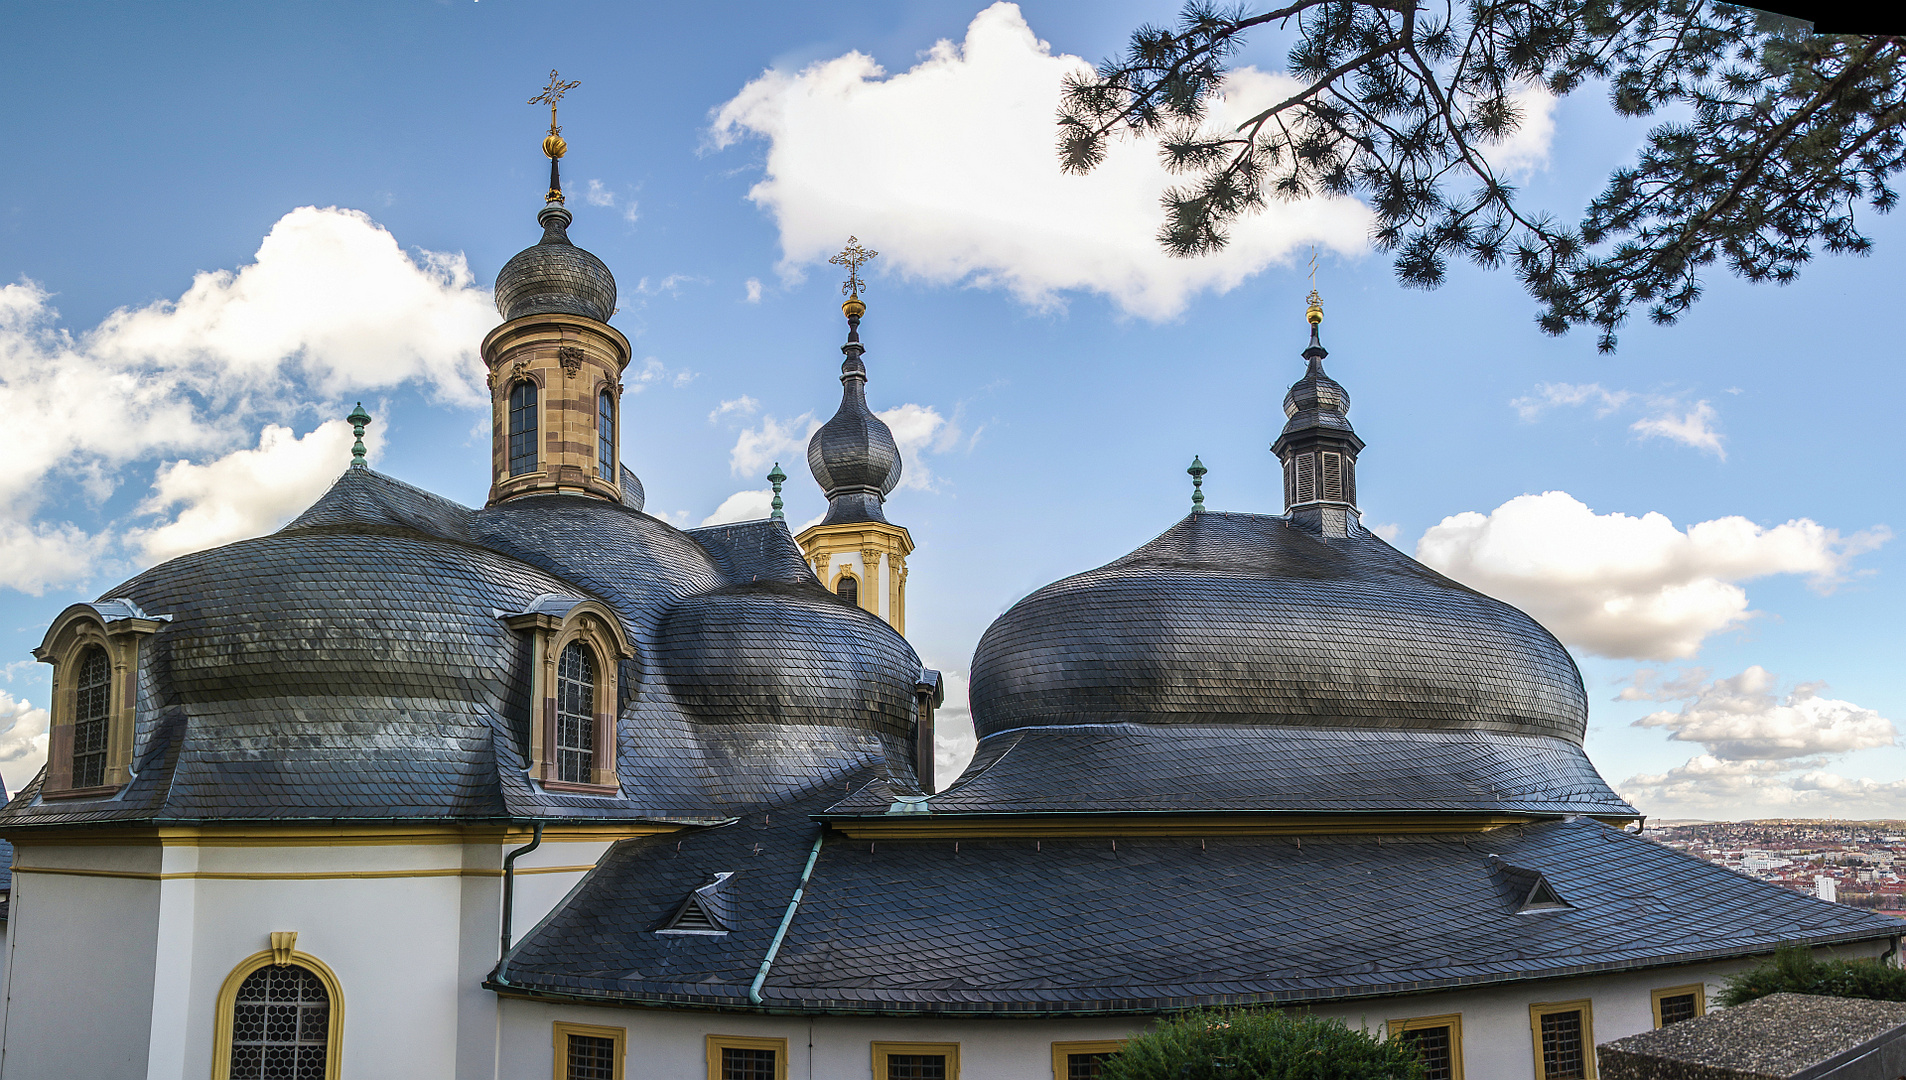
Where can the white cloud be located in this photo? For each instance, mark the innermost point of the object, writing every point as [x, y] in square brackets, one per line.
[1708, 786]
[954, 178]
[758, 447]
[1628, 587]
[596, 194]
[1743, 718]
[35, 556]
[653, 373]
[742, 506]
[246, 493]
[953, 737]
[754, 290]
[918, 429]
[1388, 533]
[1668, 416]
[22, 740]
[741, 406]
[1526, 150]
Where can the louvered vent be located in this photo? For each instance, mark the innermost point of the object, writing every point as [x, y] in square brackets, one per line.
[1333, 477]
[1306, 479]
[1350, 480]
[692, 917]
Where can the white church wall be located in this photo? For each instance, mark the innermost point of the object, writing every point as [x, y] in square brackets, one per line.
[666, 1044]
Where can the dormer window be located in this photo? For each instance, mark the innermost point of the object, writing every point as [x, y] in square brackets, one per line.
[577, 649]
[522, 427]
[94, 651]
[605, 436]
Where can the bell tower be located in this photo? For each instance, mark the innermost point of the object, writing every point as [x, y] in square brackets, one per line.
[555, 364]
[856, 552]
[1318, 448]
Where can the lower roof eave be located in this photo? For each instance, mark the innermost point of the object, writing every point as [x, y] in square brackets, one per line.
[1193, 823]
[1176, 1003]
[134, 829]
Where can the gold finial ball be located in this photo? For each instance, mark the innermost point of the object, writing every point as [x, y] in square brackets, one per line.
[554, 146]
[853, 308]
[1314, 313]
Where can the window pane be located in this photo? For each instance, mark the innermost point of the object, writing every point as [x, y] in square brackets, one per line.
[605, 436]
[522, 428]
[281, 1024]
[92, 705]
[1433, 1050]
[1085, 1066]
[916, 1067]
[1563, 1056]
[1676, 1008]
[740, 1064]
[591, 1058]
[576, 715]
[849, 590]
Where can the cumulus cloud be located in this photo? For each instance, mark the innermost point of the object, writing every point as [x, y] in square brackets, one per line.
[741, 406]
[1708, 786]
[597, 194]
[758, 447]
[753, 285]
[1526, 150]
[655, 373]
[918, 430]
[1630, 587]
[35, 556]
[742, 506]
[1744, 718]
[22, 740]
[954, 179]
[1667, 416]
[246, 493]
[953, 737]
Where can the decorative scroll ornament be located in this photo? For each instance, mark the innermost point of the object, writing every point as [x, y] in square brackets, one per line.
[571, 359]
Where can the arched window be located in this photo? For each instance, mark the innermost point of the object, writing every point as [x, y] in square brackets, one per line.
[605, 436]
[92, 718]
[576, 715]
[281, 1025]
[848, 588]
[522, 427]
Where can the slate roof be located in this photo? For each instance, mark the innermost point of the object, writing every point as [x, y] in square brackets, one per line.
[555, 275]
[354, 666]
[1070, 926]
[853, 456]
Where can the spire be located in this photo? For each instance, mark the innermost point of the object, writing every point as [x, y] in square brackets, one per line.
[853, 456]
[1197, 472]
[553, 145]
[777, 478]
[359, 420]
[1318, 448]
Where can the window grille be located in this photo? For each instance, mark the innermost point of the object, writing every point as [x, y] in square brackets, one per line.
[605, 436]
[576, 715]
[1432, 1046]
[91, 719]
[591, 1057]
[1563, 1056]
[1676, 1008]
[740, 1063]
[1333, 477]
[916, 1067]
[281, 1025]
[1085, 1066]
[1306, 479]
[848, 589]
[522, 427]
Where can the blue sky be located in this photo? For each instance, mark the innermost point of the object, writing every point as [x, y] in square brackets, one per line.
[220, 226]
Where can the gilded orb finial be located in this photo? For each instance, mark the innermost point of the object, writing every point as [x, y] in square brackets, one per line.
[1197, 472]
[853, 256]
[1315, 313]
[358, 420]
[553, 144]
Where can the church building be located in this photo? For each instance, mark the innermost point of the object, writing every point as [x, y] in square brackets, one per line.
[551, 788]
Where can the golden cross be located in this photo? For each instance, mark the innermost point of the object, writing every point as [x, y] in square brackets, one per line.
[852, 256]
[552, 94]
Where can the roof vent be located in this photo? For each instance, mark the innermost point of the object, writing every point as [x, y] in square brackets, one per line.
[1528, 891]
[705, 912]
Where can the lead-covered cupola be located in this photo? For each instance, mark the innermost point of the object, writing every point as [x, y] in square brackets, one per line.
[1318, 448]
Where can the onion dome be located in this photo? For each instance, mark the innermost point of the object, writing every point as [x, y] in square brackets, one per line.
[853, 456]
[555, 276]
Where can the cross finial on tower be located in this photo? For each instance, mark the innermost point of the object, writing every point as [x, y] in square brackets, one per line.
[550, 96]
[777, 478]
[358, 420]
[1197, 472]
[1315, 313]
[852, 257]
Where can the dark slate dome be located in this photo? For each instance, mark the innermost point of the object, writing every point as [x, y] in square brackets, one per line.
[1245, 619]
[853, 456]
[555, 276]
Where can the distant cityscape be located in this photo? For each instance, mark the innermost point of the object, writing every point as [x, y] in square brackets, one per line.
[1849, 862]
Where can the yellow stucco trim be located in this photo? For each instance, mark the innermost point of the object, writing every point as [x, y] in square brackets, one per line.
[228, 998]
[882, 1050]
[332, 835]
[312, 875]
[1452, 1021]
[716, 1043]
[929, 827]
[1548, 1008]
[1699, 990]
[1062, 1051]
[559, 1033]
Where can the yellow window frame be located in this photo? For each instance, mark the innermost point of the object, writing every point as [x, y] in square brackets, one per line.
[1699, 990]
[228, 1000]
[1585, 1006]
[561, 1030]
[1061, 1051]
[718, 1043]
[1452, 1021]
[884, 1050]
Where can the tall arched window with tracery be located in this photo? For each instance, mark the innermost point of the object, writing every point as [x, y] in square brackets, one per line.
[605, 436]
[92, 718]
[522, 427]
[576, 715]
[281, 1025]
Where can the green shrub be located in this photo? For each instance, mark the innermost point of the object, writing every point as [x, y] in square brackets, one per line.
[1794, 970]
[1240, 1044]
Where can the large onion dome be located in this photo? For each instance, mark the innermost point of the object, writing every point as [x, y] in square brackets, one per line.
[853, 456]
[555, 276]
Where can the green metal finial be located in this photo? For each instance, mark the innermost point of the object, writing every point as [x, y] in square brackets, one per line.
[1197, 472]
[777, 478]
[358, 418]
